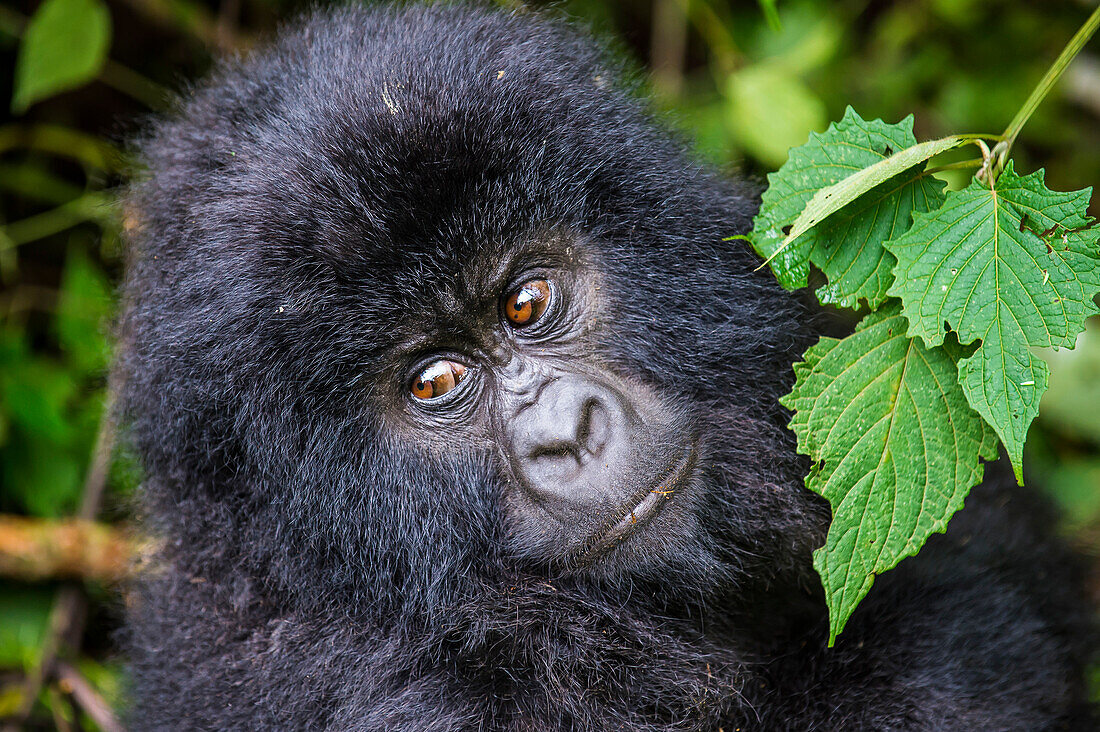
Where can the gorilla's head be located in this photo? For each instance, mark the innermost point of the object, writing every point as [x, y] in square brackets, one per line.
[424, 306]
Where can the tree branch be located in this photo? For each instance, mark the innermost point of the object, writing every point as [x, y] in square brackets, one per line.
[40, 549]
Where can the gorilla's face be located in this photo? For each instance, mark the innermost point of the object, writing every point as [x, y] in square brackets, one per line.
[513, 362]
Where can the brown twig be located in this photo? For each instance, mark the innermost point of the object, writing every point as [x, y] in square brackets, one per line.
[73, 683]
[56, 702]
[668, 46]
[33, 549]
[197, 21]
[95, 481]
[229, 12]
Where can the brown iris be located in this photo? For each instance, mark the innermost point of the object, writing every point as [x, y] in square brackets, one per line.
[527, 303]
[437, 378]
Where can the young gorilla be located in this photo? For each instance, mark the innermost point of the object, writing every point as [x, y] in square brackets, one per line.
[458, 414]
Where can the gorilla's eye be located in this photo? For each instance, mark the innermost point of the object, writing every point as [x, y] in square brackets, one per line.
[527, 303]
[438, 378]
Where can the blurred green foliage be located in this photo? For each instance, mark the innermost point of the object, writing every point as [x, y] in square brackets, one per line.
[744, 79]
[63, 47]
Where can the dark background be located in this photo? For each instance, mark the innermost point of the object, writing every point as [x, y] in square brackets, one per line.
[743, 90]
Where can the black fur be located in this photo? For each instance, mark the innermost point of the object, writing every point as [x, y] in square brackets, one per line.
[318, 572]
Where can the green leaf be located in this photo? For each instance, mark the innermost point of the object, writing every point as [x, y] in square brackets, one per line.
[771, 13]
[26, 613]
[770, 110]
[806, 41]
[831, 199]
[49, 431]
[44, 477]
[64, 46]
[838, 197]
[36, 394]
[894, 445]
[1012, 266]
[83, 313]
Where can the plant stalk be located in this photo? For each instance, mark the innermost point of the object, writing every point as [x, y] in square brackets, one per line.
[1000, 152]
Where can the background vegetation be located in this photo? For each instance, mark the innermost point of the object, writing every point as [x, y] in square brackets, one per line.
[80, 77]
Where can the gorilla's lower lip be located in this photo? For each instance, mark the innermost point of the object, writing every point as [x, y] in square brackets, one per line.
[649, 506]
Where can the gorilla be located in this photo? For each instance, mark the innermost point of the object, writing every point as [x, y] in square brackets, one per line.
[457, 412]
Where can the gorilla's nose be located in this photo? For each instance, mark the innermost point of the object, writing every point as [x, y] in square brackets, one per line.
[566, 441]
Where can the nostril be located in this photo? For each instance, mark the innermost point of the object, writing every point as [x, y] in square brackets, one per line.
[554, 464]
[553, 451]
[594, 427]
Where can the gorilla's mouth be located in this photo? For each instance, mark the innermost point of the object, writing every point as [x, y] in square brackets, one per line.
[647, 507]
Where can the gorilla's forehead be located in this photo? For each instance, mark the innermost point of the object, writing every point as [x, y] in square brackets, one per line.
[433, 132]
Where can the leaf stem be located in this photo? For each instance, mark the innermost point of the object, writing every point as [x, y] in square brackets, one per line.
[961, 165]
[92, 206]
[715, 31]
[771, 13]
[134, 85]
[1000, 152]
